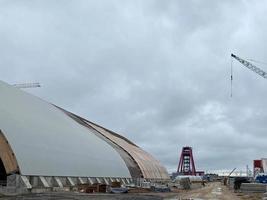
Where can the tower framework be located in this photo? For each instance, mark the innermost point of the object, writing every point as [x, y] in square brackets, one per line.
[186, 164]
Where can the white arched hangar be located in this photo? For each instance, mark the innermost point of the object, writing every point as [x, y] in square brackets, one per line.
[44, 144]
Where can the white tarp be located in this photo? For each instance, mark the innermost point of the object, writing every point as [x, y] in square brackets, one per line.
[48, 142]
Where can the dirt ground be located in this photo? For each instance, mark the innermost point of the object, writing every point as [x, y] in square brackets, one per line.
[212, 191]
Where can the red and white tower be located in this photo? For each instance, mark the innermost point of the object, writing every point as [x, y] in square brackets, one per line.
[186, 164]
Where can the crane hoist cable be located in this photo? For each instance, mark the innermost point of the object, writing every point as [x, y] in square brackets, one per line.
[231, 77]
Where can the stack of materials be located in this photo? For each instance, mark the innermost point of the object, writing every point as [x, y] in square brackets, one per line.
[264, 196]
[160, 188]
[96, 187]
[253, 187]
[189, 182]
[185, 183]
[191, 178]
[117, 189]
[175, 185]
[115, 184]
[240, 180]
[146, 184]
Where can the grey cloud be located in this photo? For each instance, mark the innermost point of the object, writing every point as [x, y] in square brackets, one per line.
[155, 71]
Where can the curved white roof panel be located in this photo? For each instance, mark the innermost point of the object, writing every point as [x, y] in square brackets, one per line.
[48, 142]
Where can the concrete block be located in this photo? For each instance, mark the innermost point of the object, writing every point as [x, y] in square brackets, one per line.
[70, 181]
[127, 181]
[26, 182]
[106, 181]
[13, 180]
[98, 180]
[34, 181]
[90, 181]
[50, 180]
[57, 182]
[81, 181]
[44, 182]
[63, 180]
[123, 181]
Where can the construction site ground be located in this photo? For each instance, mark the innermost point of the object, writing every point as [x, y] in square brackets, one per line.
[215, 191]
[212, 191]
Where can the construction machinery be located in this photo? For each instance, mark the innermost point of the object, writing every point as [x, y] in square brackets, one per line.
[250, 66]
[27, 85]
[231, 172]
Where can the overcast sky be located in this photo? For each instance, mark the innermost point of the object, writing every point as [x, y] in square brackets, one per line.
[157, 72]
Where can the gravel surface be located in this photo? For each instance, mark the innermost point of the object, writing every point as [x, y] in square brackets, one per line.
[213, 191]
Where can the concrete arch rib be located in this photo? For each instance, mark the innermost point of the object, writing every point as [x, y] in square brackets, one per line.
[7, 156]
